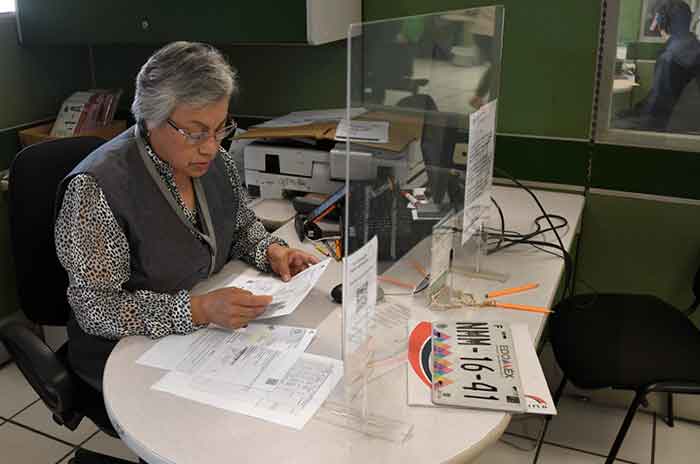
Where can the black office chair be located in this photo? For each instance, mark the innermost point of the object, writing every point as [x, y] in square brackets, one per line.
[41, 283]
[627, 342]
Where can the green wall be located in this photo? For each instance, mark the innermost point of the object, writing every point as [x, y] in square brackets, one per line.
[549, 57]
[640, 246]
[630, 20]
[35, 80]
[273, 80]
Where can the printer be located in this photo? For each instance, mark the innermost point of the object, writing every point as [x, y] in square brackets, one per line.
[275, 170]
[281, 168]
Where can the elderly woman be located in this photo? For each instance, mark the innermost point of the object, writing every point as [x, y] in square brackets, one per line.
[158, 209]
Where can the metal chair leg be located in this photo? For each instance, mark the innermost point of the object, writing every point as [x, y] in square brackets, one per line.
[548, 419]
[669, 409]
[638, 399]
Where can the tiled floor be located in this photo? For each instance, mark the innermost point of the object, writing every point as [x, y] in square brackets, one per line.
[28, 434]
[582, 433]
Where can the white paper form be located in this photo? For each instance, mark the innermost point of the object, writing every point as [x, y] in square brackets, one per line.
[286, 296]
[257, 356]
[482, 134]
[363, 131]
[292, 403]
[359, 295]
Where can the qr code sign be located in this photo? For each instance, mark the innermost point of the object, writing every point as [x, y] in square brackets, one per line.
[361, 296]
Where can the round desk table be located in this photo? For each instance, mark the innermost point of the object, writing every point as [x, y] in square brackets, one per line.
[163, 428]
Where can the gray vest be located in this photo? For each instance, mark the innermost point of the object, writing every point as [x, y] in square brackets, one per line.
[165, 256]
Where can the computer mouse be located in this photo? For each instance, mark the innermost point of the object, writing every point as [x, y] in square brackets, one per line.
[337, 293]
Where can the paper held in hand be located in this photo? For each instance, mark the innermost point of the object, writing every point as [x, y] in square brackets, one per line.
[286, 296]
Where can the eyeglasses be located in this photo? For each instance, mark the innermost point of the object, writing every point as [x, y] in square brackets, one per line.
[198, 138]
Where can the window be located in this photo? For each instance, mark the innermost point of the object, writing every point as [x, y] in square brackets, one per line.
[650, 76]
[7, 6]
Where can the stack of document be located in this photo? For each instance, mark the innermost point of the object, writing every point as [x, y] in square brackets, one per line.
[261, 370]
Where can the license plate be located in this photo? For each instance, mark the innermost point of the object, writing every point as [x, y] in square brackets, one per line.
[475, 366]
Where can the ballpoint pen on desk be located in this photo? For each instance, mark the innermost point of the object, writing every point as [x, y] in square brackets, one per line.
[321, 250]
[419, 287]
[510, 291]
[332, 249]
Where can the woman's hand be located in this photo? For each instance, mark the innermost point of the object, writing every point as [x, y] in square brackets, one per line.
[287, 262]
[228, 307]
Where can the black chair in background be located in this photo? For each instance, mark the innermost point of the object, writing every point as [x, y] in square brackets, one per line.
[626, 342]
[41, 283]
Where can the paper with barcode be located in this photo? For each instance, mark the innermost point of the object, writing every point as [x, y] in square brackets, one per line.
[479, 176]
[258, 356]
[359, 295]
[293, 401]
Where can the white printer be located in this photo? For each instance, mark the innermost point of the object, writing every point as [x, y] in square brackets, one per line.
[275, 169]
[271, 170]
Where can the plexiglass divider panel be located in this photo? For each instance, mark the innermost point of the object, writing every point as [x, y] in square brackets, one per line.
[413, 83]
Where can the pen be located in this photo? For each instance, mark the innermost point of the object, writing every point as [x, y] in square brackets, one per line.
[396, 282]
[337, 249]
[324, 214]
[421, 270]
[518, 307]
[330, 251]
[321, 250]
[510, 291]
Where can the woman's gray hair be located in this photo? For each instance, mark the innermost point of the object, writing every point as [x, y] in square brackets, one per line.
[189, 73]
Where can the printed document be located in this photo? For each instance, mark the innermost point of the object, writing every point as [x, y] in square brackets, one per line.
[303, 118]
[363, 131]
[286, 296]
[359, 295]
[481, 149]
[292, 402]
[257, 356]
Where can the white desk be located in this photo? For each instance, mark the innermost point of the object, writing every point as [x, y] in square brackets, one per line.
[163, 428]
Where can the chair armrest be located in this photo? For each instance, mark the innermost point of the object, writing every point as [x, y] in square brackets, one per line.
[47, 375]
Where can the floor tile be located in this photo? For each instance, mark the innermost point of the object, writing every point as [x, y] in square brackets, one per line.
[20, 446]
[102, 443]
[556, 455]
[16, 392]
[593, 428]
[677, 445]
[38, 417]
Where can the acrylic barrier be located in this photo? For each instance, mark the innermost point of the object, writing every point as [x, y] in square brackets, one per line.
[416, 149]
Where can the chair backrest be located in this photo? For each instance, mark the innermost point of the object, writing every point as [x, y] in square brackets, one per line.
[35, 174]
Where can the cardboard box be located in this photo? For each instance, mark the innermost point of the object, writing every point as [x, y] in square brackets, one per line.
[41, 133]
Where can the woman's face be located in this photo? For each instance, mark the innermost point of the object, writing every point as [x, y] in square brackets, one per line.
[185, 158]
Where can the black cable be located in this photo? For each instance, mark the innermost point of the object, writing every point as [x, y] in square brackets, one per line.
[539, 230]
[551, 225]
[503, 221]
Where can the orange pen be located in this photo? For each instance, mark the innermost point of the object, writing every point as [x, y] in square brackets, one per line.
[518, 307]
[419, 268]
[510, 291]
[398, 283]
